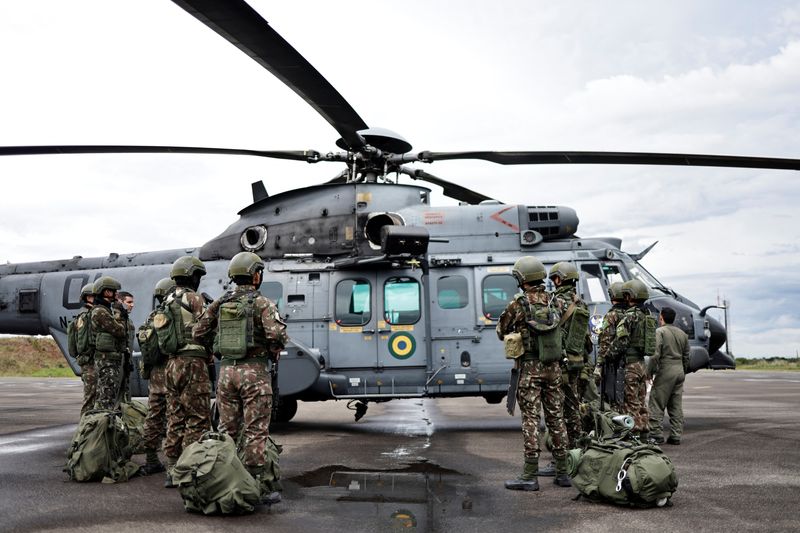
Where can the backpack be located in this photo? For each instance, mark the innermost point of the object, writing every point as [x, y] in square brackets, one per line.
[100, 450]
[169, 324]
[613, 467]
[79, 338]
[271, 478]
[235, 327]
[148, 344]
[543, 334]
[211, 478]
[134, 414]
[576, 319]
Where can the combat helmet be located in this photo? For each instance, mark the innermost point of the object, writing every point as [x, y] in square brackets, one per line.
[636, 289]
[528, 269]
[245, 264]
[103, 283]
[564, 270]
[87, 290]
[163, 287]
[186, 266]
[615, 291]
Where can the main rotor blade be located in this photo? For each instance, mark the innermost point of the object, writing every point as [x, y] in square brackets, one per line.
[310, 156]
[244, 28]
[450, 189]
[615, 158]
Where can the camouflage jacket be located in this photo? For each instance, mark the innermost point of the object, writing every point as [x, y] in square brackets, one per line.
[513, 319]
[104, 322]
[266, 321]
[608, 332]
[192, 307]
[629, 322]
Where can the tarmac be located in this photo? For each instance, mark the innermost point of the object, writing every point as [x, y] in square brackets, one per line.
[422, 465]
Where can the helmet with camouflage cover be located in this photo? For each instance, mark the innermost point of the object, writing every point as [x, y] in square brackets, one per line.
[163, 287]
[636, 289]
[87, 290]
[528, 269]
[245, 264]
[615, 291]
[564, 270]
[186, 266]
[105, 282]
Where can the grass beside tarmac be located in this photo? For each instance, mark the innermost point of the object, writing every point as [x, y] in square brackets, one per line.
[769, 363]
[32, 357]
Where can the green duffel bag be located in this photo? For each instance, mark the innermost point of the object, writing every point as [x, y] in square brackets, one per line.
[100, 449]
[270, 478]
[134, 414]
[211, 479]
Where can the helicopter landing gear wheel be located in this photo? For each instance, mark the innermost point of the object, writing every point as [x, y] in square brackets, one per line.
[287, 408]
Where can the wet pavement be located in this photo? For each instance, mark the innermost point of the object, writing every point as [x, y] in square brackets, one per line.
[422, 465]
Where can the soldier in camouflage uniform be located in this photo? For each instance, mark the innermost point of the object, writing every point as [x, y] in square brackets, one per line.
[187, 372]
[110, 341]
[124, 304]
[534, 314]
[669, 365]
[244, 391]
[155, 424]
[85, 358]
[608, 364]
[629, 344]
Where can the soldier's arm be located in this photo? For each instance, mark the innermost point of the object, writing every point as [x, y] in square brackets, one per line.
[103, 321]
[685, 354]
[607, 331]
[203, 331]
[274, 327]
[655, 359]
[622, 336]
[196, 303]
[72, 341]
[506, 322]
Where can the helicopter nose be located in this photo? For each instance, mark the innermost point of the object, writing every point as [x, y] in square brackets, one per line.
[717, 334]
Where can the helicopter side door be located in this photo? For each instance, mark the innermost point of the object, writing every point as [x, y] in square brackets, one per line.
[401, 326]
[352, 339]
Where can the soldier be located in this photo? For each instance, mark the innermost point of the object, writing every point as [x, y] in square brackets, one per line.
[635, 339]
[607, 364]
[187, 378]
[124, 304]
[155, 424]
[669, 366]
[534, 314]
[247, 332]
[110, 342]
[81, 347]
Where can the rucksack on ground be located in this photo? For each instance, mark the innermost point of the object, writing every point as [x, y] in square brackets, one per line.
[211, 479]
[100, 449]
[271, 477]
[134, 414]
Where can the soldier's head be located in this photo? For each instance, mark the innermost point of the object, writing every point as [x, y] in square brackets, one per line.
[87, 293]
[529, 271]
[126, 300]
[163, 287]
[187, 271]
[564, 273]
[667, 315]
[105, 289]
[246, 268]
[615, 293]
[635, 292]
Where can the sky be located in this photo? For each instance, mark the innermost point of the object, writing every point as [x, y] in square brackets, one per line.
[712, 77]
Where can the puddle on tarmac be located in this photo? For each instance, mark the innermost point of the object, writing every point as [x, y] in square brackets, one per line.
[419, 497]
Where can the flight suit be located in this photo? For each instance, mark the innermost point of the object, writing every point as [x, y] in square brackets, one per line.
[668, 365]
[110, 343]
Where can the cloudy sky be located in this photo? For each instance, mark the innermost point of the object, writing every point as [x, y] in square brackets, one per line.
[684, 76]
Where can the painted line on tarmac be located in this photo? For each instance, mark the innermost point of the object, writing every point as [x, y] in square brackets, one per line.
[39, 439]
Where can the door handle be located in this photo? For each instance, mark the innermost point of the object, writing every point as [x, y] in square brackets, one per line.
[368, 331]
[384, 331]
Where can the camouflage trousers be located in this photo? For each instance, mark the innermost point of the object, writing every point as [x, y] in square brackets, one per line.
[188, 403]
[572, 407]
[667, 393]
[244, 400]
[155, 425]
[125, 380]
[108, 369]
[89, 378]
[540, 387]
[635, 393]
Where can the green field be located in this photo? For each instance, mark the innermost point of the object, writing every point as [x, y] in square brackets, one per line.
[769, 363]
[33, 357]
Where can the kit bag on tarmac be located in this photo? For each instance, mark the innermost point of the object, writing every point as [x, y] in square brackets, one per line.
[134, 414]
[621, 470]
[100, 449]
[271, 477]
[211, 479]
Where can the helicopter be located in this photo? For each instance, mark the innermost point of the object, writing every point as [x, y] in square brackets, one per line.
[385, 295]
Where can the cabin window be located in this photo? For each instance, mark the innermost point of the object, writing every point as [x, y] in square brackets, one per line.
[353, 297]
[498, 290]
[452, 292]
[401, 302]
[274, 291]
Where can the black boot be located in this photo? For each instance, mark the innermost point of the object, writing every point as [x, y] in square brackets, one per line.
[562, 479]
[549, 470]
[526, 481]
[152, 464]
[268, 496]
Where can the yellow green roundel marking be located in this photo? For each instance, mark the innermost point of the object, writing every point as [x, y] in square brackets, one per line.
[402, 345]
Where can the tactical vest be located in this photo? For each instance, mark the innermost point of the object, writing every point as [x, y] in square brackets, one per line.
[148, 343]
[174, 321]
[104, 341]
[80, 338]
[542, 335]
[237, 332]
[643, 333]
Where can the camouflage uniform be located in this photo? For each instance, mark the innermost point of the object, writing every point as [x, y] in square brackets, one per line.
[539, 383]
[188, 384]
[607, 361]
[156, 422]
[244, 391]
[127, 362]
[635, 373]
[110, 337]
[85, 360]
[668, 364]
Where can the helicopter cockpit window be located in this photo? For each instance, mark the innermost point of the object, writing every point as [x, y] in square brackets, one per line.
[452, 292]
[274, 291]
[353, 297]
[638, 272]
[498, 290]
[401, 301]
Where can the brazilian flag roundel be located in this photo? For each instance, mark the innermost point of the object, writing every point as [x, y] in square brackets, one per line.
[402, 345]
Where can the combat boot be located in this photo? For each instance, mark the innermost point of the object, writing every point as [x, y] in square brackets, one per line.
[268, 496]
[549, 470]
[152, 464]
[526, 481]
[562, 479]
[171, 462]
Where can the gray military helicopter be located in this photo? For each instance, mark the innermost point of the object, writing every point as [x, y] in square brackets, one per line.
[385, 295]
